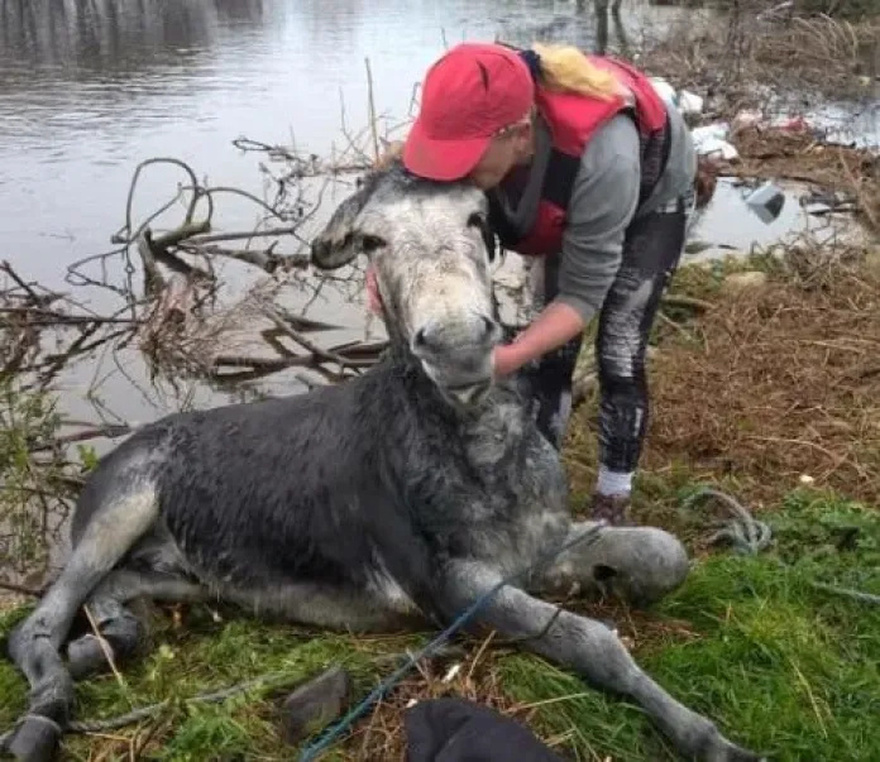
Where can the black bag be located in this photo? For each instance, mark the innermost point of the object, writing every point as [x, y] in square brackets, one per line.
[455, 730]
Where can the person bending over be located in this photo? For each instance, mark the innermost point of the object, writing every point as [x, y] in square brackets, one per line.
[586, 167]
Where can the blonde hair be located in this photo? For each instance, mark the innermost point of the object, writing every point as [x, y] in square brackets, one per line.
[566, 68]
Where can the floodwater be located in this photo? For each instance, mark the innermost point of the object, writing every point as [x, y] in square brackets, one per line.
[90, 88]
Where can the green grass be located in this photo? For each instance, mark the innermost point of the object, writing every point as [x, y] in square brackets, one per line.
[204, 655]
[780, 665]
[27, 487]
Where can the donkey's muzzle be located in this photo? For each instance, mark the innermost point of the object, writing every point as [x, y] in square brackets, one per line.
[457, 354]
[437, 339]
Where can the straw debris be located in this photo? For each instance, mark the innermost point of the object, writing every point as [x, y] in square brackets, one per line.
[777, 385]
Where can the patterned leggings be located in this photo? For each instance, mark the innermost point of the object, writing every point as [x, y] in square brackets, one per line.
[651, 253]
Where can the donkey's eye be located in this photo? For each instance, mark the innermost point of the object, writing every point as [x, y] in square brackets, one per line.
[476, 220]
[369, 243]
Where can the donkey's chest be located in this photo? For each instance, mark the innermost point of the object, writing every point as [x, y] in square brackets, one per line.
[503, 503]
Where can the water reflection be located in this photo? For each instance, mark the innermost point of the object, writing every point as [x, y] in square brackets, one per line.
[79, 38]
[91, 87]
[602, 13]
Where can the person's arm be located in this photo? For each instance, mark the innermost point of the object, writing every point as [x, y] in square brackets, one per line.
[603, 202]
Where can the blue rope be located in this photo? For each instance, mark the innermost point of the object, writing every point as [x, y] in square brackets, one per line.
[335, 731]
[747, 535]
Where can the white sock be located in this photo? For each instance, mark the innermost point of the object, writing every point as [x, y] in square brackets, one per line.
[614, 482]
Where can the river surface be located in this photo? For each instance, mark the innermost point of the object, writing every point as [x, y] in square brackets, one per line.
[90, 88]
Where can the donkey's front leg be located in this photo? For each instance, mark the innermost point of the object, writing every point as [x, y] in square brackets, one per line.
[586, 647]
[640, 564]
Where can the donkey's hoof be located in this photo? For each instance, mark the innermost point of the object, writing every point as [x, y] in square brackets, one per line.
[86, 657]
[35, 739]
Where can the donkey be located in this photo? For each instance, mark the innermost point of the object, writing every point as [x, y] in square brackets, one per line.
[394, 500]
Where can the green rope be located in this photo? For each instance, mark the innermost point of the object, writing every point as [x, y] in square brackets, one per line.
[848, 592]
[747, 535]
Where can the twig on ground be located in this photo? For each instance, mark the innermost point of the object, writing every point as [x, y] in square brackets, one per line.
[12, 587]
[679, 300]
[105, 649]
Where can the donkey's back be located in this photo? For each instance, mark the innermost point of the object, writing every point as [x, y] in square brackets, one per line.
[258, 494]
[206, 461]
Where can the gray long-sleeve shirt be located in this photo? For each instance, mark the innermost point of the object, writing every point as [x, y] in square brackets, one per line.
[604, 201]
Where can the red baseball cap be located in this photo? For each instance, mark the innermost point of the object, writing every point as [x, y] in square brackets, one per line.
[470, 93]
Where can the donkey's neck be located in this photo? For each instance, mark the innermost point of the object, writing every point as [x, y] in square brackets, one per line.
[488, 431]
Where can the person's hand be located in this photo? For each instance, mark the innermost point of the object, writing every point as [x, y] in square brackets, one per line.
[505, 360]
[557, 324]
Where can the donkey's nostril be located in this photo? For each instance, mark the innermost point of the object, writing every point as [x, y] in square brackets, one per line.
[473, 333]
[430, 338]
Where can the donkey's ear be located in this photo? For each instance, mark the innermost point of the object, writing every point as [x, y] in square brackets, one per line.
[338, 243]
[342, 239]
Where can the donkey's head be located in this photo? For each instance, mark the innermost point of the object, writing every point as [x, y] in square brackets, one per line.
[430, 248]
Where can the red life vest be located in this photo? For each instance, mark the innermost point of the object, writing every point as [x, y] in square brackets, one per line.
[573, 119]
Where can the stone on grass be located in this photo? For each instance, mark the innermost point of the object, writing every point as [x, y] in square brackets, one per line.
[314, 705]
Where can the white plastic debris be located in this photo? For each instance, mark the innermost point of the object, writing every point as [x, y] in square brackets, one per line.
[690, 103]
[745, 119]
[806, 479]
[716, 131]
[710, 146]
[685, 101]
[451, 673]
[665, 90]
[712, 139]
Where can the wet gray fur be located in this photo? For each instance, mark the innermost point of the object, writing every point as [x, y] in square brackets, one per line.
[394, 499]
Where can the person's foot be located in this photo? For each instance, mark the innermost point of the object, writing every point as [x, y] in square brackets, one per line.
[611, 508]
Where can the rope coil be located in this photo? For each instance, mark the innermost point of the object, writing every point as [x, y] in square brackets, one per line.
[746, 535]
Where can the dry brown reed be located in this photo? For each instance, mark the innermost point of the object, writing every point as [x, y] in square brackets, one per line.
[781, 382]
